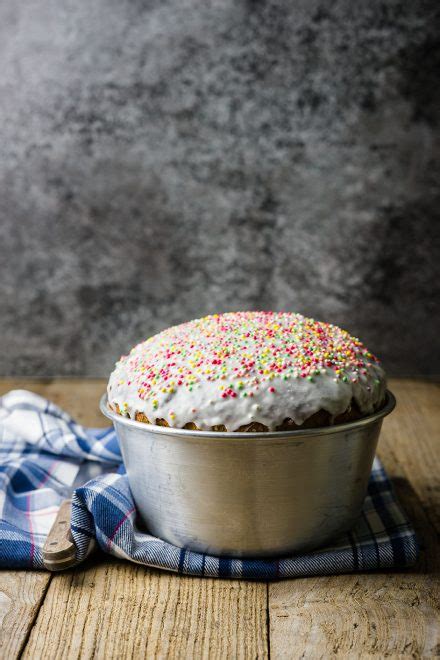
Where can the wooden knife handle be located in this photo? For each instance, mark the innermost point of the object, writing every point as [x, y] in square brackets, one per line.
[59, 551]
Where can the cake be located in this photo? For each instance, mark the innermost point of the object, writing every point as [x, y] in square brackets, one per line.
[248, 371]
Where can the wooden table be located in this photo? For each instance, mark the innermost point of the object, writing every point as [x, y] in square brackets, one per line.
[108, 608]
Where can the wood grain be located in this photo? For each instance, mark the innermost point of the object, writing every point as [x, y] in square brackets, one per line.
[79, 396]
[118, 610]
[394, 614]
[59, 550]
[21, 592]
[114, 609]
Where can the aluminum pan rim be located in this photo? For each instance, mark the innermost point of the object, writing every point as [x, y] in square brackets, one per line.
[390, 404]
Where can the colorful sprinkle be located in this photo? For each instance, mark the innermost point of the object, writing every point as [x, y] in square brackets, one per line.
[242, 353]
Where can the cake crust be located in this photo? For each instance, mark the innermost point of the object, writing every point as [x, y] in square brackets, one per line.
[317, 420]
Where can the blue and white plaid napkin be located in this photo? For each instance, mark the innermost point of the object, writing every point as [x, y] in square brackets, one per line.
[41, 448]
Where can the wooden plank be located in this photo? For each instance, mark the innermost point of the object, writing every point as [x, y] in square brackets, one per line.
[119, 609]
[78, 396]
[116, 609]
[22, 592]
[388, 614]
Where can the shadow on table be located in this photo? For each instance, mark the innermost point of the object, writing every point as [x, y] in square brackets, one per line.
[422, 517]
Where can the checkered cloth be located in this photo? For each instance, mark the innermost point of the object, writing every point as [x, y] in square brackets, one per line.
[41, 449]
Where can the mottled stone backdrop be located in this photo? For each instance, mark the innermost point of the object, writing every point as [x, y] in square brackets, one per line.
[161, 160]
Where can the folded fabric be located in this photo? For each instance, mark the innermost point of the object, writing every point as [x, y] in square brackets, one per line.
[41, 449]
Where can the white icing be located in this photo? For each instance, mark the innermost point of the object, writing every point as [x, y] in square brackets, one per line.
[296, 398]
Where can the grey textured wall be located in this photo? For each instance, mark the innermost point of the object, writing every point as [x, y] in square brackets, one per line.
[162, 160]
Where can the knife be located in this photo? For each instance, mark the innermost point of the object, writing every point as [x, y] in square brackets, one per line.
[59, 550]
